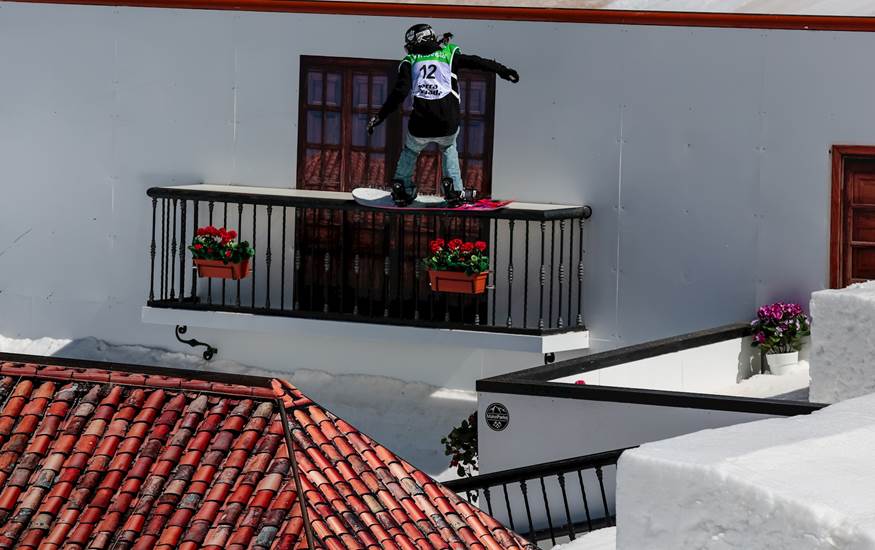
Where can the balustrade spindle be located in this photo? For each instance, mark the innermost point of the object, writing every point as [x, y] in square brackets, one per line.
[267, 258]
[488, 498]
[283, 264]
[417, 263]
[173, 253]
[297, 305]
[152, 249]
[340, 274]
[600, 475]
[210, 280]
[240, 230]
[525, 491]
[182, 246]
[494, 269]
[580, 278]
[163, 246]
[254, 263]
[585, 501]
[570, 268]
[542, 275]
[510, 225]
[387, 264]
[552, 268]
[507, 506]
[569, 524]
[547, 509]
[326, 264]
[526, 280]
[225, 224]
[560, 322]
[194, 224]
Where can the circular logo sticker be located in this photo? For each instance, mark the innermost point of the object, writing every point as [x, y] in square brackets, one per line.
[497, 416]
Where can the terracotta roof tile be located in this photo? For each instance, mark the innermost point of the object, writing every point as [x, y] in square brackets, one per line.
[102, 459]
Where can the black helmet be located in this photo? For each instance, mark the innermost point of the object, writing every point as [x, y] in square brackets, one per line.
[419, 36]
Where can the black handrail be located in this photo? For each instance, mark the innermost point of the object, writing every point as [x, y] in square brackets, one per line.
[337, 260]
[579, 511]
[344, 201]
[534, 471]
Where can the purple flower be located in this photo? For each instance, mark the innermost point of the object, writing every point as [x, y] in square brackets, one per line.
[760, 337]
[776, 311]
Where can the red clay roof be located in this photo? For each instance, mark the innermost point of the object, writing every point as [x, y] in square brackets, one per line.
[93, 459]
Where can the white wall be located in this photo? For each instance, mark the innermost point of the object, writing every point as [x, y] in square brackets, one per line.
[703, 369]
[704, 153]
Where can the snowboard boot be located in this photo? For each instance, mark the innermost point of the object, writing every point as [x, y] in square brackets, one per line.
[453, 197]
[400, 196]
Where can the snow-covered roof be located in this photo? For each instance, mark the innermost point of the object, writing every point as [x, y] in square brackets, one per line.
[803, 483]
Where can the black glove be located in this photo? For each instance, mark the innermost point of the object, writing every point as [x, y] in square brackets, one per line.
[510, 74]
[373, 123]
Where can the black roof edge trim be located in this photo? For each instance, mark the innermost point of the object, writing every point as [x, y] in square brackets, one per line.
[659, 398]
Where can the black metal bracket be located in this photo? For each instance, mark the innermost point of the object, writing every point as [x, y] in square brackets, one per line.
[208, 353]
[549, 358]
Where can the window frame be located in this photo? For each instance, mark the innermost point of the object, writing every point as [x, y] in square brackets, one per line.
[394, 124]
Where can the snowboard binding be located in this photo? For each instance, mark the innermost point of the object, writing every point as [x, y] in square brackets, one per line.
[454, 197]
[400, 196]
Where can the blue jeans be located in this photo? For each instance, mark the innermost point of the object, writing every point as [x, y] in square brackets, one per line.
[414, 145]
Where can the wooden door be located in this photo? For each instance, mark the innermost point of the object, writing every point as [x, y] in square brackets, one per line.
[853, 212]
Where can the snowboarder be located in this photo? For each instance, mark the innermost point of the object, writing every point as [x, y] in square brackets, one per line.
[429, 72]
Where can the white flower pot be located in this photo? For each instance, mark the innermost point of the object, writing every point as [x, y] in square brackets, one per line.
[780, 363]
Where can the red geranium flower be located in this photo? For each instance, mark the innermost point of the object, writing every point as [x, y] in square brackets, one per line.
[468, 247]
[227, 253]
[438, 242]
[198, 246]
[480, 245]
[455, 244]
[435, 247]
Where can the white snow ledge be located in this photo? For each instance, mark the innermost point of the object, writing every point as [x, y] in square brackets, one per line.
[801, 483]
[291, 327]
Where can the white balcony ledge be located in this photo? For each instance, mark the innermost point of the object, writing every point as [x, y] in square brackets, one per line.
[346, 331]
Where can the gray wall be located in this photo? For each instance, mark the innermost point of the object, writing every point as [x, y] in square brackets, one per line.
[704, 152]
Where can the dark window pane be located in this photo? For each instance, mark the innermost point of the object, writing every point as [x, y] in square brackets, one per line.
[331, 172]
[333, 89]
[474, 174]
[332, 128]
[360, 137]
[360, 91]
[312, 160]
[314, 88]
[357, 161]
[476, 131]
[477, 97]
[460, 139]
[379, 90]
[314, 126]
[377, 168]
[427, 171]
[463, 94]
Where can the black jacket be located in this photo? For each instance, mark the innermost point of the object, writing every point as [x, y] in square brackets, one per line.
[437, 117]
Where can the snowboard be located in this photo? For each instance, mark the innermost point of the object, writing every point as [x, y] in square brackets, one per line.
[377, 198]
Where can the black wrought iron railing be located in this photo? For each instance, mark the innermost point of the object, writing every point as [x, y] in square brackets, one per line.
[321, 255]
[554, 500]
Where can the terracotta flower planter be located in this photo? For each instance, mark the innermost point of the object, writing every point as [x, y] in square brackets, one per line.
[457, 282]
[219, 270]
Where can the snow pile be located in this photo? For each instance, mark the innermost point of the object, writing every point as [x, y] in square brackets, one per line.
[791, 385]
[409, 418]
[843, 346]
[603, 539]
[801, 483]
